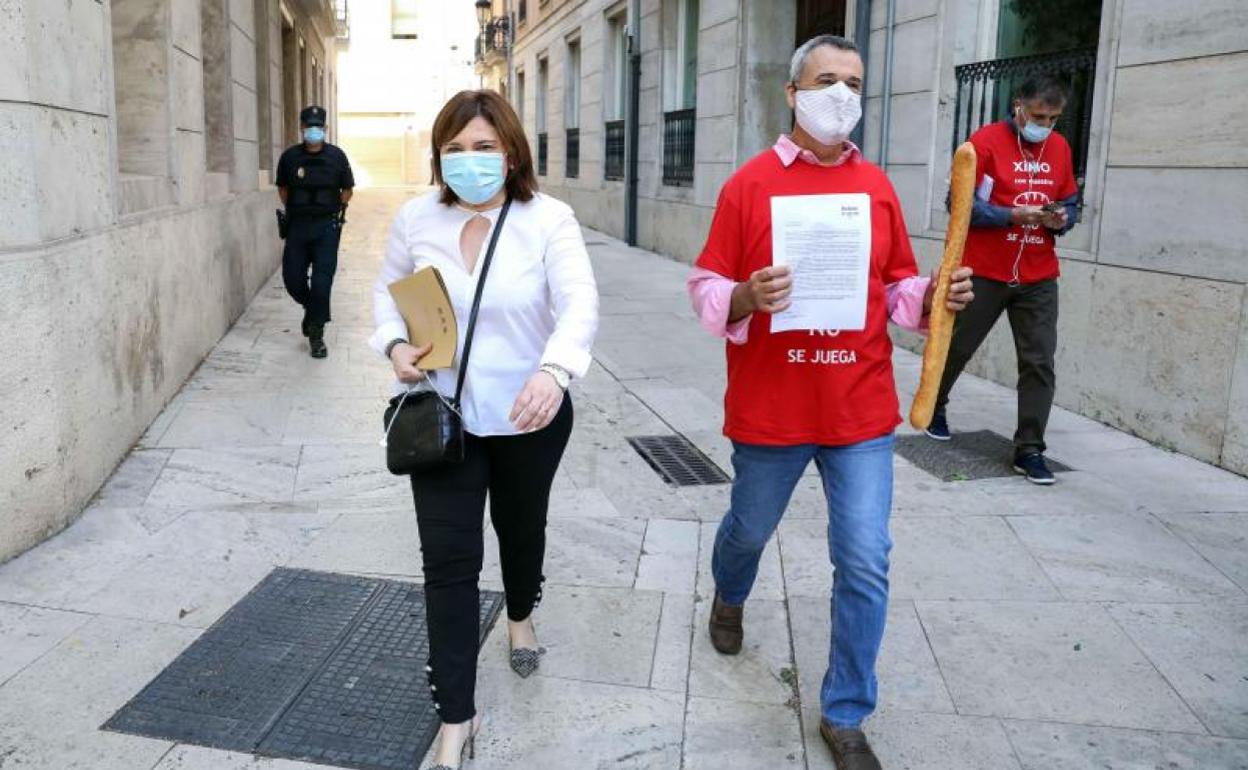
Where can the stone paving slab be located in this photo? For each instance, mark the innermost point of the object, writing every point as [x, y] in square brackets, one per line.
[1115, 557]
[1049, 661]
[1138, 558]
[1048, 746]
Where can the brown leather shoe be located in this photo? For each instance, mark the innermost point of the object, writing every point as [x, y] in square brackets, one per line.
[725, 626]
[850, 749]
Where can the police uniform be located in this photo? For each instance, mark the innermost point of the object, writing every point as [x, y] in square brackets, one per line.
[314, 182]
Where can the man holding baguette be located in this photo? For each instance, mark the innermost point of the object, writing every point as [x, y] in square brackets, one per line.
[822, 395]
[1026, 196]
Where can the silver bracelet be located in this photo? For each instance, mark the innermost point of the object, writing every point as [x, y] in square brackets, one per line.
[562, 376]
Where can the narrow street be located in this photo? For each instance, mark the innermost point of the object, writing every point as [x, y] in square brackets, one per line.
[1100, 621]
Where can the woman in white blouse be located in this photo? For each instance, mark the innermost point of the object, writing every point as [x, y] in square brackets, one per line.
[538, 317]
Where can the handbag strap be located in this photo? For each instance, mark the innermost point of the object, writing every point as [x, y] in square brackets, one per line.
[476, 301]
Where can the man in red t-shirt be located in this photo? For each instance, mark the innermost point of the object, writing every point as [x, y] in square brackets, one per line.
[797, 393]
[1025, 196]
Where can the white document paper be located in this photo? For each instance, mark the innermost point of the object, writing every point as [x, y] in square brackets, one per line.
[984, 191]
[826, 239]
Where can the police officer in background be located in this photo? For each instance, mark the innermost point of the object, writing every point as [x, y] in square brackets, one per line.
[314, 181]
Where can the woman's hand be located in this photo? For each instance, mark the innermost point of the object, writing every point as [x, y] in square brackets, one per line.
[537, 404]
[404, 357]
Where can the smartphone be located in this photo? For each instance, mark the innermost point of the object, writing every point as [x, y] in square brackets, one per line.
[1053, 207]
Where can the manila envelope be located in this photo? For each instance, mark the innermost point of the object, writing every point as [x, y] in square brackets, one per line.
[426, 307]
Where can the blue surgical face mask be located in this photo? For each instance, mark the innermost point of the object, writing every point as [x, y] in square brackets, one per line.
[1032, 132]
[314, 134]
[474, 176]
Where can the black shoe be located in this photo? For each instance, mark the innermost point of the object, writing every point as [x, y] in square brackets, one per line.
[939, 429]
[316, 341]
[1031, 465]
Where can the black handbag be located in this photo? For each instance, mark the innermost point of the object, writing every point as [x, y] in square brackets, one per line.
[425, 431]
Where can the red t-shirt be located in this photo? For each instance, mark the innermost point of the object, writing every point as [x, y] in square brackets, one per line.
[808, 387]
[1022, 174]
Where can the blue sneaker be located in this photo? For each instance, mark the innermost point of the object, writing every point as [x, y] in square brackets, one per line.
[939, 429]
[1031, 465]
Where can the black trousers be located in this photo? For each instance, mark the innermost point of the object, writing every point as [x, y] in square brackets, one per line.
[1032, 310]
[311, 244]
[517, 472]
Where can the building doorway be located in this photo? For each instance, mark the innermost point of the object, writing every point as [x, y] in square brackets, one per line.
[819, 17]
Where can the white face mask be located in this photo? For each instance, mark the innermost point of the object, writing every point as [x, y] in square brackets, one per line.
[829, 114]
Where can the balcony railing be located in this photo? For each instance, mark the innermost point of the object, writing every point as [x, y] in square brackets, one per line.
[572, 147]
[678, 138]
[494, 39]
[342, 20]
[986, 88]
[613, 166]
[542, 152]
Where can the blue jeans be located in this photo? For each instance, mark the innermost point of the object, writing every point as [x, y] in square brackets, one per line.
[858, 483]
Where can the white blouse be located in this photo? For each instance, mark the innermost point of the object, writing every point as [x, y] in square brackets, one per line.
[540, 304]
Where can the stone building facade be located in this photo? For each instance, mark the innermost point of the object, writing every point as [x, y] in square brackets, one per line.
[137, 145]
[1154, 322]
[495, 26]
[711, 96]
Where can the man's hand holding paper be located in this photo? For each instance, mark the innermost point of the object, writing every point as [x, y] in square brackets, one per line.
[767, 291]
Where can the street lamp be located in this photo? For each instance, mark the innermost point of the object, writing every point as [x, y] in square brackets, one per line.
[484, 11]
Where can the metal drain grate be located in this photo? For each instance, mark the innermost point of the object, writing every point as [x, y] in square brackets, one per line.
[678, 461]
[980, 454]
[309, 666]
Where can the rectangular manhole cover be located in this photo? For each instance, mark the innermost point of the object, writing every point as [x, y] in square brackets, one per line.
[980, 454]
[678, 461]
[310, 666]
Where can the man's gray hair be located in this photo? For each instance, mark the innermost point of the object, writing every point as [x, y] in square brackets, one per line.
[798, 63]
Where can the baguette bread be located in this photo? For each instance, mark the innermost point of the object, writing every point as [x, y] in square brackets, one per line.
[940, 320]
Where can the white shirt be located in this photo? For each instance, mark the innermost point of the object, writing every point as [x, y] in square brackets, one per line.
[540, 304]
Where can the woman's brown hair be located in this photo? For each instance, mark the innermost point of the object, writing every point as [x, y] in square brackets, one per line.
[463, 107]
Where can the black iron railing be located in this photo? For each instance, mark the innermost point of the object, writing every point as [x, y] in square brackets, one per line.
[493, 39]
[678, 138]
[572, 153]
[342, 20]
[542, 152]
[986, 88]
[613, 165]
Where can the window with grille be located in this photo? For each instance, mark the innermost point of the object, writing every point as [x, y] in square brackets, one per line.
[680, 93]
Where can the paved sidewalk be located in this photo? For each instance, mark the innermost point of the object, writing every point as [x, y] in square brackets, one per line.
[1102, 623]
